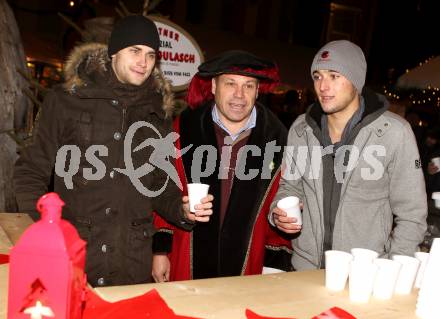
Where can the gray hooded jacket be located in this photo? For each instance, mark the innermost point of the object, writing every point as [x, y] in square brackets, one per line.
[382, 204]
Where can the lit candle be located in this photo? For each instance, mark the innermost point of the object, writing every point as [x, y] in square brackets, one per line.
[38, 311]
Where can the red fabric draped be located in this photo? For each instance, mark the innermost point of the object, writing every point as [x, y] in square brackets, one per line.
[4, 259]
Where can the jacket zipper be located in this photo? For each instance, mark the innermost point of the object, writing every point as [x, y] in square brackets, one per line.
[319, 246]
[124, 113]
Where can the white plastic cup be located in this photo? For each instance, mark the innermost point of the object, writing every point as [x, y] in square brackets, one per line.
[407, 275]
[361, 280]
[431, 279]
[196, 191]
[436, 197]
[337, 268]
[290, 205]
[363, 254]
[436, 161]
[427, 301]
[423, 257]
[270, 270]
[386, 278]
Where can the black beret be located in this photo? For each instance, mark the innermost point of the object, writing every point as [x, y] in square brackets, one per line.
[231, 62]
[236, 62]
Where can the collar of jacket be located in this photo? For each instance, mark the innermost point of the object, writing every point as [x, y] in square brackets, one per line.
[93, 59]
[375, 105]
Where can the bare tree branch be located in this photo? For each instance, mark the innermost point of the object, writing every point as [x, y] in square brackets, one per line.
[119, 12]
[154, 4]
[32, 81]
[13, 136]
[35, 123]
[30, 95]
[145, 8]
[71, 23]
[124, 8]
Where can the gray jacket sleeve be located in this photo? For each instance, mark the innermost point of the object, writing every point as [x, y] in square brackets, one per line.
[407, 196]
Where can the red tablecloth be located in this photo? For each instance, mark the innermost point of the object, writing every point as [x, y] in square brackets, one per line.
[4, 259]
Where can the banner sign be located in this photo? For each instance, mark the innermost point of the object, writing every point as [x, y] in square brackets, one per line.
[179, 54]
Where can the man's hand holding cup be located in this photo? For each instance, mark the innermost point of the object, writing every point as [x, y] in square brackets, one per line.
[197, 206]
[287, 215]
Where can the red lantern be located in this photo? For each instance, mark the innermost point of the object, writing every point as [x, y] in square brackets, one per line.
[46, 268]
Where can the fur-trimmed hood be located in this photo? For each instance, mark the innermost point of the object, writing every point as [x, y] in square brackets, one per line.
[93, 57]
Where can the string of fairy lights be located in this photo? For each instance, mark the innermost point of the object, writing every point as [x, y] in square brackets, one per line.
[429, 95]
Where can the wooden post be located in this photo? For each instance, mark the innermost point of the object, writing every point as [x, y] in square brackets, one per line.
[14, 105]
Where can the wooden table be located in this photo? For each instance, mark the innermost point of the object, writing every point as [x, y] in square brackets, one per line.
[294, 295]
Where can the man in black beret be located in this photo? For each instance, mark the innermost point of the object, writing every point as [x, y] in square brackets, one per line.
[107, 90]
[224, 119]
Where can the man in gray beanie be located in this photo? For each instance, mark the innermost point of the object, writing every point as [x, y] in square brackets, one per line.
[354, 166]
[107, 90]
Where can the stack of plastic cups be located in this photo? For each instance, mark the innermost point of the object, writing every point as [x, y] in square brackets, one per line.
[362, 274]
[386, 278]
[407, 274]
[427, 301]
[423, 257]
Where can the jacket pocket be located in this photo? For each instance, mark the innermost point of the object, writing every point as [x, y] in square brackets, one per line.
[361, 225]
[139, 250]
[141, 230]
[79, 182]
[365, 194]
[93, 132]
[387, 224]
[85, 128]
[302, 260]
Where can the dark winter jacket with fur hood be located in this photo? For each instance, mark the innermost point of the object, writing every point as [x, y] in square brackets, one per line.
[93, 108]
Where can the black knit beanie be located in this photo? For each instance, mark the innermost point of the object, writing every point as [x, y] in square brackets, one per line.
[133, 30]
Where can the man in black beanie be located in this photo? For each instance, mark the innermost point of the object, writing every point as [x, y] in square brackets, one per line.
[107, 90]
[133, 45]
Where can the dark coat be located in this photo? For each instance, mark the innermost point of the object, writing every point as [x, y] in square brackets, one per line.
[110, 214]
[245, 240]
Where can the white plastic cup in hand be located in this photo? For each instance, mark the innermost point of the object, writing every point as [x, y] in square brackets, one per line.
[407, 274]
[436, 161]
[436, 197]
[423, 257]
[337, 267]
[196, 191]
[291, 206]
[361, 280]
[363, 254]
[386, 278]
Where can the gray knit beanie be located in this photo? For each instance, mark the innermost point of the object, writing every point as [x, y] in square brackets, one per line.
[344, 57]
